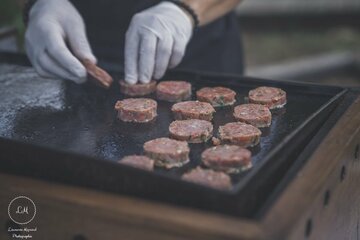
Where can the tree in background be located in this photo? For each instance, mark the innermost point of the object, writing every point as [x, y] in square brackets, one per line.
[11, 16]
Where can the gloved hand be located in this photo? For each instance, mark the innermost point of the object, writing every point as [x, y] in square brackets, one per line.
[155, 41]
[51, 23]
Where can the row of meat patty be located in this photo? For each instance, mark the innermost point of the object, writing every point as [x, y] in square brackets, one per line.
[192, 124]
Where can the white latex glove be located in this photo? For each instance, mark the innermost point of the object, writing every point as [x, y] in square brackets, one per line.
[52, 23]
[155, 41]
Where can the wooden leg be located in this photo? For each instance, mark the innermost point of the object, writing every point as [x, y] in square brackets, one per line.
[323, 201]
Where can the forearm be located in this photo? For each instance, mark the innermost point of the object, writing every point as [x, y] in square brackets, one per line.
[210, 10]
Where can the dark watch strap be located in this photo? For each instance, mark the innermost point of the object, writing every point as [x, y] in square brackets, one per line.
[28, 6]
[189, 10]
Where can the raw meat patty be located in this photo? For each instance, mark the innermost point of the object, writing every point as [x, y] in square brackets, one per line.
[167, 152]
[268, 96]
[193, 110]
[136, 90]
[227, 158]
[142, 162]
[191, 130]
[239, 133]
[173, 91]
[216, 96]
[255, 114]
[138, 110]
[208, 177]
[97, 75]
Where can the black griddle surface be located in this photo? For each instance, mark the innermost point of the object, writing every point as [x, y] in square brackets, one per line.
[80, 120]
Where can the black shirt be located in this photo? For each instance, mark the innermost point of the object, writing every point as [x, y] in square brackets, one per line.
[215, 47]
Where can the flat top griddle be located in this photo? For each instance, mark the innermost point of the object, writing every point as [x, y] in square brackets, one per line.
[69, 133]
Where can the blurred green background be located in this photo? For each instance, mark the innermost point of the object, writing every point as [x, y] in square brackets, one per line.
[11, 15]
[9, 12]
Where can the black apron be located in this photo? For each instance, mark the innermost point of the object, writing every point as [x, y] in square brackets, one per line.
[215, 47]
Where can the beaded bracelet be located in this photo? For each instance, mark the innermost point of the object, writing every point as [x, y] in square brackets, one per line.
[189, 10]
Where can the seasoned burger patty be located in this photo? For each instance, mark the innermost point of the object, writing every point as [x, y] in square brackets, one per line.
[208, 177]
[142, 162]
[136, 109]
[97, 75]
[167, 152]
[255, 114]
[173, 91]
[191, 130]
[239, 133]
[216, 96]
[193, 110]
[227, 158]
[137, 90]
[268, 96]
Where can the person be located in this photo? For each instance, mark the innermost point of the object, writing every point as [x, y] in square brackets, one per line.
[145, 37]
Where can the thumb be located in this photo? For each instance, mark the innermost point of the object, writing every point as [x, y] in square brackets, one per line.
[79, 43]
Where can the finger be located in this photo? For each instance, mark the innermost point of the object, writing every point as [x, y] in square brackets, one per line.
[42, 72]
[29, 47]
[163, 54]
[32, 49]
[51, 66]
[132, 43]
[147, 57]
[79, 42]
[178, 52]
[33, 53]
[57, 50]
[39, 69]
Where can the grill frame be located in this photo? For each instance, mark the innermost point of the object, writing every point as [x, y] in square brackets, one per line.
[76, 169]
